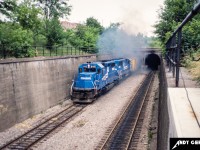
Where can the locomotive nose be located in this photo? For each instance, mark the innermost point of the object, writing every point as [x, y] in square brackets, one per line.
[87, 76]
[85, 81]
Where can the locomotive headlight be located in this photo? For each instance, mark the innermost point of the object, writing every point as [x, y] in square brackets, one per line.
[88, 65]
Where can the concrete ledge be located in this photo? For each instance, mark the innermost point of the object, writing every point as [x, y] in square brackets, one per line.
[21, 60]
[182, 119]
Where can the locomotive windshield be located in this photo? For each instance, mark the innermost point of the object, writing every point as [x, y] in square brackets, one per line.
[92, 69]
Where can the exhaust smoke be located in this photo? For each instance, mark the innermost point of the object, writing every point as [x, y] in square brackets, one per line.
[115, 42]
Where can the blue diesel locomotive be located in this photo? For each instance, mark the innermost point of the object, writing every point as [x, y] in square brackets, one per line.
[95, 78]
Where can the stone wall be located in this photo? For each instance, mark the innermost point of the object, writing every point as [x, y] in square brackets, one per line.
[30, 86]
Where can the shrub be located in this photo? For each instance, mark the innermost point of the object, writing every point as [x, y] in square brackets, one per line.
[15, 40]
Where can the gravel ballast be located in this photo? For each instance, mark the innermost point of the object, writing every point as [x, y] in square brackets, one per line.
[85, 130]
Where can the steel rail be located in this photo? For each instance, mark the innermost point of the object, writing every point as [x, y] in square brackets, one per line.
[43, 129]
[139, 114]
[116, 125]
[117, 122]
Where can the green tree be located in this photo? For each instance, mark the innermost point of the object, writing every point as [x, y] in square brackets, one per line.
[114, 26]
[154, 42]
[85, 36]
[171, 15]
[93, 23]
[54, 8]
[67, 36]
[27, 15]
[54, 33]
[7, 7]
[16, 41]
[191, 35]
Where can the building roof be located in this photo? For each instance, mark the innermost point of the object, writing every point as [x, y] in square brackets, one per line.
[68, 25]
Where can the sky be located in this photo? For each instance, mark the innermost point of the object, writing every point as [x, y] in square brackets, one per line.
[135, 15]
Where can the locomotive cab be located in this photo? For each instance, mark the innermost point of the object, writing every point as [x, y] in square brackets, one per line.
[86, 85]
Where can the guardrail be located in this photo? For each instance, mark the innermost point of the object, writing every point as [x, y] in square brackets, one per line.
[173, 45]
[7, 51]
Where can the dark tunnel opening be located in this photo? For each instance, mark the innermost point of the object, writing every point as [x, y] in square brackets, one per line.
[152, 61]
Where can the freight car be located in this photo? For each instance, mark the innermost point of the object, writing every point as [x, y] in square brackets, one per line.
[95, 78]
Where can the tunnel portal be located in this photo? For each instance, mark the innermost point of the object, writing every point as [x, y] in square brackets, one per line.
[152, 61]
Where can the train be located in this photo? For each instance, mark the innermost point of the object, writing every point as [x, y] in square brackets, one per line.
[95, 78]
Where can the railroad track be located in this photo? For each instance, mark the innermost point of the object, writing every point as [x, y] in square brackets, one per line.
[125, 133]
[40, 131]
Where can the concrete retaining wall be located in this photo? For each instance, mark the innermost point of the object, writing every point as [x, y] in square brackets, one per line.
[163, 114]
[28, 87]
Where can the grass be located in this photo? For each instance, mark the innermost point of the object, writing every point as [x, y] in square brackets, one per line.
[193, 65]
[194, 69]
[150, 135]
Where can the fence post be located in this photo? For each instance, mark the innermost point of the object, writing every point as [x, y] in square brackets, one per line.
[178, 56]
[174, 65]
[174, 54]
[4, 51]
[56, 50]
[62, 49]
[50, 51]
[43, 50]
[170, 63]
[35, 50]
[75, 50]
[167, 53]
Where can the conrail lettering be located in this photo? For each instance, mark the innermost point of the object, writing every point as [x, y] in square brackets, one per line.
[86, 78]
